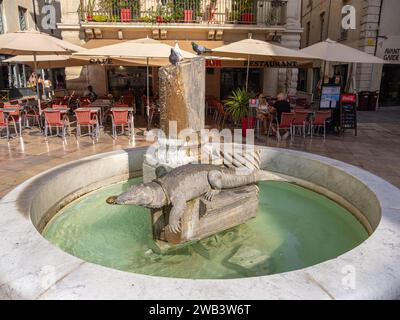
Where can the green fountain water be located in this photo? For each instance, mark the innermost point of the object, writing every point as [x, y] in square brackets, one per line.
[295, 228]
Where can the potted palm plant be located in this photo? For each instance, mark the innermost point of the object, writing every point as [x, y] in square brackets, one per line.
[126, 12]
[238, 107]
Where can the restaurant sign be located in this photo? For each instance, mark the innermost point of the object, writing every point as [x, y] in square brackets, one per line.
[272, 64]
[216, 63]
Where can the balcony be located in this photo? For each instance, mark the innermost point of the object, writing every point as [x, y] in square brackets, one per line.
[221, 12]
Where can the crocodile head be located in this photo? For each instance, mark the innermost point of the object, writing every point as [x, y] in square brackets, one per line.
[149, 195]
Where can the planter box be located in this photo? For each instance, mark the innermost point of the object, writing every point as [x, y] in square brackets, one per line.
[126, 15]
[247, 123]
[247, 18]
[188, 16]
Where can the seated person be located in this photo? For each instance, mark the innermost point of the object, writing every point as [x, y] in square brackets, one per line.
[264, 112]
[281, 105]
[89, 93]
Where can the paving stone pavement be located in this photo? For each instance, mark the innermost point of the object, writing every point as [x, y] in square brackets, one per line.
[376, 149]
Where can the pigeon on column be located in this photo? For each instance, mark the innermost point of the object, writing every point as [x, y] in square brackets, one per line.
[199, 49]
[176, 55]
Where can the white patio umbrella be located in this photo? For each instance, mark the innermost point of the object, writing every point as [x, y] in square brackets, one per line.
[62, 61]
[145, 48]
[252, 49]
[332, 51]
[34, 43]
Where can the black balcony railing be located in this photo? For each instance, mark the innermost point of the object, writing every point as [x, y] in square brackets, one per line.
[261, 12]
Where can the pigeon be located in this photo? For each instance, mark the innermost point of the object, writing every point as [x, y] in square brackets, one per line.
[176, 55]
[199, 49]
[178, 49]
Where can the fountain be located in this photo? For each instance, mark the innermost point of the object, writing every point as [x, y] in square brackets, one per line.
[303, 226]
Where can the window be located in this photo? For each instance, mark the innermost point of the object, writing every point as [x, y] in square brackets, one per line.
[2, 29]
[308, 30]
[322, 26]
[344, 34]
[22, 18]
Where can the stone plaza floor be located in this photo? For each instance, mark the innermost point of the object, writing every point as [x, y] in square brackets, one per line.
[375, 149]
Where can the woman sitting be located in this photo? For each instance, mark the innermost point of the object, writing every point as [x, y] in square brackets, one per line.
[264, 112]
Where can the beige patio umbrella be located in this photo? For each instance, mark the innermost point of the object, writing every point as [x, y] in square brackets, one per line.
[252, 49]
[332, 51]
[145, 48]
[34, 43]
[62, 61]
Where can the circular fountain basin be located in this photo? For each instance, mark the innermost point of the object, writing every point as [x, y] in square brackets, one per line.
[294, 228]
[31, 267]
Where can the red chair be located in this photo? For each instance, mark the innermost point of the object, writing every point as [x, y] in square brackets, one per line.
[4, 123]
[128, 100]
[285, 124]
[87, 119]
[54, 119]
[59, 107]
[319, 121]
[300, 120]
[84, 102]
[32, 115]
[15, 117]
[120, 118]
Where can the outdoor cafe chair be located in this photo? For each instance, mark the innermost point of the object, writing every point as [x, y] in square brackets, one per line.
[15, 117]
[286, 123]
[54, 119]
[86, 118]
[319, 121]
[31, 115]
[121, 118]
[59, 107]
[4, 124]
[300, 121]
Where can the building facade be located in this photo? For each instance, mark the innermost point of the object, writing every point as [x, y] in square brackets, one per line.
[377, 29]
[21, 15]
[208, 22]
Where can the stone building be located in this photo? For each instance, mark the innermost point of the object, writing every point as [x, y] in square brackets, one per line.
[208, 22]
[19, 15]
[377, 29]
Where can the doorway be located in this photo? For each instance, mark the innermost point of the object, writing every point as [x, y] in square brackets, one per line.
[390, 86]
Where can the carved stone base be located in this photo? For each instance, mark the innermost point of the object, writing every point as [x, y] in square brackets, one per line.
[203, 218]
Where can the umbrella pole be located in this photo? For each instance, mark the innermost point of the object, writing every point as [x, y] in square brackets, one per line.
[247, 74]
[37, 83]
[148, 95]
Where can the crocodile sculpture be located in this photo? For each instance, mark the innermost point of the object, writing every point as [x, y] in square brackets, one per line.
[181, 185]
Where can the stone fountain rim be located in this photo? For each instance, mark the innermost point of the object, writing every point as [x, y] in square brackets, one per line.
[374, 261]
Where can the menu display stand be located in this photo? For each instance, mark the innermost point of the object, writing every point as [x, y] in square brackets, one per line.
[330, 97]
[348, 112]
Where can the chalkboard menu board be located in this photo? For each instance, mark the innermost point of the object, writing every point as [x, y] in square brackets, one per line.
[330, 97]
[348, 112]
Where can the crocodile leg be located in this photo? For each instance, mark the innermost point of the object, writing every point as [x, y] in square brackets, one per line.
[178, 208]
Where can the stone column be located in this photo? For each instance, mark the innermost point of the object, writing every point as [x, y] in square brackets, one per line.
[182, 116]
[368, 75]
[287, 79]
[182, 95]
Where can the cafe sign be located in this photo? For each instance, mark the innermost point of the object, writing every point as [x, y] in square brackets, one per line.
[101, 61]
